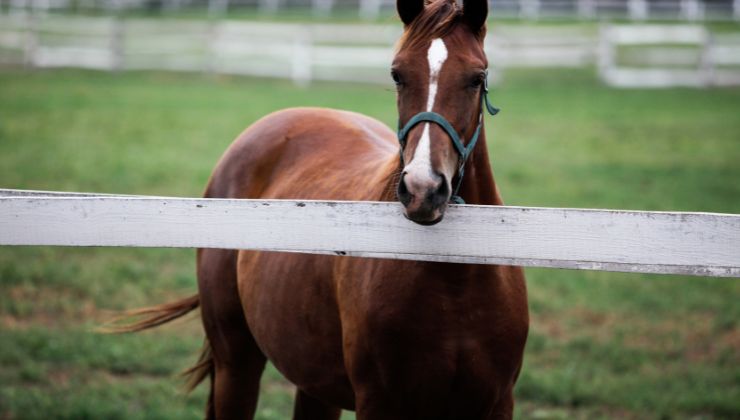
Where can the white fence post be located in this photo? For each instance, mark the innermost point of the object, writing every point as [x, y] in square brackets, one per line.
[706, 63]
[692, 10]
[301, 60]
[117, 43]
[172, 5]
[322, 7]
[113, 7]
[210, 64]
[587, 9]
[217, 8]
[40, 7]
[30, 40]
[269, 6]
[529, 9]
[369, 9]
[638, 9]
[606, 52]
[18, 8]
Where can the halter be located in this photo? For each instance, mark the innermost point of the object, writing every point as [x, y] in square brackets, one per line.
[463, 151]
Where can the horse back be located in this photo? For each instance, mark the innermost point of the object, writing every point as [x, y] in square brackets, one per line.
[307, 153]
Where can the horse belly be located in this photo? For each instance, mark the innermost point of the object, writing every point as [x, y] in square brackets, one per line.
[290, 307]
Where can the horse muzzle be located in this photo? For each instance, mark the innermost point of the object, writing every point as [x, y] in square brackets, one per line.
[424, 198]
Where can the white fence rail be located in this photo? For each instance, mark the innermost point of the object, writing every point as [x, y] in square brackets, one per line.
[631, 241]
[627, 55]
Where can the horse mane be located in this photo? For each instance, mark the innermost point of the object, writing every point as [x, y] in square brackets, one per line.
[437, 19]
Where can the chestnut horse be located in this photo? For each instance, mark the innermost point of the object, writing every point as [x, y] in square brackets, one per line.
[389, 339]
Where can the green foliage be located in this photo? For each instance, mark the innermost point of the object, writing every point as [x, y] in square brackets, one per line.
[601, 344]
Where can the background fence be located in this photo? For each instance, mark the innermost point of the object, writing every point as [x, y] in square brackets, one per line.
[635, 10]
[627, 55]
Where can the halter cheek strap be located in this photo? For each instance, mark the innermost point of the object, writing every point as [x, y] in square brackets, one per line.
[463, 151]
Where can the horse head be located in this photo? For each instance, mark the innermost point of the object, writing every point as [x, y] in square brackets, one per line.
[440, 74]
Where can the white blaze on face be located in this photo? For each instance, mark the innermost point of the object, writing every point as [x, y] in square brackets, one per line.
[421, 164]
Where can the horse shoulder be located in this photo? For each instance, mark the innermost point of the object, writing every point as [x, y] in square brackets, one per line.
[331, 126]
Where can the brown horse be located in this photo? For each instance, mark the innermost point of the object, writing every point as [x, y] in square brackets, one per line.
[390, 339]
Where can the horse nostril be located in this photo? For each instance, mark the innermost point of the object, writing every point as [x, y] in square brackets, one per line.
[442, 193]
[404, 196]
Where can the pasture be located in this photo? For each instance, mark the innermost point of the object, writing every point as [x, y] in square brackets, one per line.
[601, 344]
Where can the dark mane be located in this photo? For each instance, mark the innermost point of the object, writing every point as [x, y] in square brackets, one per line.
[438, 18]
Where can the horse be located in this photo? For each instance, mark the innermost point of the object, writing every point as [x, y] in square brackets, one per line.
[389, 339]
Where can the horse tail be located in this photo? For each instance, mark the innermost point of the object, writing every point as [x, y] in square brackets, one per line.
[151, 316]
[154, 316]
[203, 369]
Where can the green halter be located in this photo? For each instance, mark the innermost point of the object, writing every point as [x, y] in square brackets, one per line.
[462, 150]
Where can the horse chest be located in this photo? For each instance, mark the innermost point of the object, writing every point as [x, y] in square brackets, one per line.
[421, 333]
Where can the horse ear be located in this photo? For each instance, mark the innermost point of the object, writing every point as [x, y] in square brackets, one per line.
[409, 9]
[475, 13]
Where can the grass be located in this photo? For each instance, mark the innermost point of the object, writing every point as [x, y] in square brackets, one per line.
[601, 344]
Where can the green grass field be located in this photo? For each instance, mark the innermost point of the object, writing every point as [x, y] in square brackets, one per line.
[602, 345]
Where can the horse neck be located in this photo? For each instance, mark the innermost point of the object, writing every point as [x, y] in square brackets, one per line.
[390, 174]
[478, 186]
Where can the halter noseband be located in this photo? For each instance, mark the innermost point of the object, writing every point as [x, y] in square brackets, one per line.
[462, 150]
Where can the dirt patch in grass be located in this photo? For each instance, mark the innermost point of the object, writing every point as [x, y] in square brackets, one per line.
[708, 346]
[574, 323]
[60, 377]
[694, 337]
[27, 306]
[530, 410]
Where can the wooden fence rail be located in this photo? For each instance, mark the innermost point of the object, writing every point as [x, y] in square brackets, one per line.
[706, 244]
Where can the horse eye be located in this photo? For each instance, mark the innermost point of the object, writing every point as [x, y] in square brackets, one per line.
[477, 81]
[396, 78]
